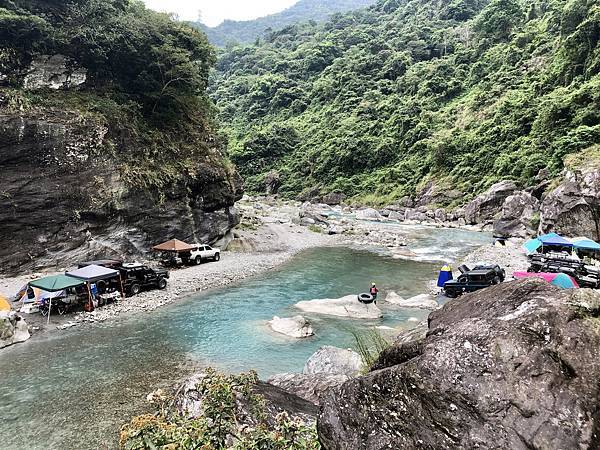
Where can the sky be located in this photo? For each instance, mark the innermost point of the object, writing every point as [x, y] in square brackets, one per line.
[213, 12]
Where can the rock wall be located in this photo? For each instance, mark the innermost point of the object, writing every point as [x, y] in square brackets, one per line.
[512, 366]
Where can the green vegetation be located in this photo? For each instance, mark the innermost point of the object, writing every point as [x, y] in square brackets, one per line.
[220, 424]
[369, 344]
[378, 102]
[232, 32]
[146, 80]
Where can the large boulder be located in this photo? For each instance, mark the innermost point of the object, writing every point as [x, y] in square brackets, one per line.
[310, 387]
[519, 217]
[511, 366]
[333, 361]
[13, 329]
[368, 214]
[347, 306]
[487, 206]
[334, 198]
[573, 208]
[297, 326]
[272, 182]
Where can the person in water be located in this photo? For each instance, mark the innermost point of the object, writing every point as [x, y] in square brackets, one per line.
[373, 291]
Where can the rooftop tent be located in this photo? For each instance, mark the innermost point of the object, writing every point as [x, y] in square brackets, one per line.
[55, 283]
[586, 244]
[562, 280]
[93, 273]
[174, 245]
[554, 239]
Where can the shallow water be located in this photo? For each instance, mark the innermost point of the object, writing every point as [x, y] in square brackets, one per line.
[73, 389]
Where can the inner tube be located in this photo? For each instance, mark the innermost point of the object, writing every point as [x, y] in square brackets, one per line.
[365, 298]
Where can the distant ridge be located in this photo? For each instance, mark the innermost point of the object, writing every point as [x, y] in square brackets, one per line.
[246, 32]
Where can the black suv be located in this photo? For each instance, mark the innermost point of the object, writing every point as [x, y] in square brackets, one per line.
[471, 280]
[136, 276]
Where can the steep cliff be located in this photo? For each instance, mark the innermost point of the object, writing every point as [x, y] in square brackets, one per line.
[104, 157]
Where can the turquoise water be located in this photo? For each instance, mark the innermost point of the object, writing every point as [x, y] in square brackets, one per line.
[74, 388]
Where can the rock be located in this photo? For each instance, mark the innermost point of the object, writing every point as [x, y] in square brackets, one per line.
[13, 329]
[438, 194]
[573, 208]
[440, 215]
[310, 387]
[396, 215]
[297, 326]
[333, 361]
[189, 401]
[82, 205]
[518, 216]
[334, 198]
[415, 215]
[368, 214]
[423, 301]
[54, 72]
[511, 366]
[487, 206]
[272, 182]
[385, 213]
[347, 306]
[306, 221]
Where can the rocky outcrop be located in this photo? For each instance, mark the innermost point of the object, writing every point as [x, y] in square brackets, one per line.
[13, 329]
[511, 366]
[518, 217]
[190, 403]
[334, 198]
[347, 306]
[487, 206]
[72, 189]
[54, 72]
[296, 327]
[573, 208]
[333, 361]
[310, 387]
[272, 182]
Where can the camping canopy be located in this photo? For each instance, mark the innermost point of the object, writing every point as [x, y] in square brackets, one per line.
[586, 244]
[554, 239]
[174, 245]
[55, 283]
[93, 273]
[532, 245]
[562, 280]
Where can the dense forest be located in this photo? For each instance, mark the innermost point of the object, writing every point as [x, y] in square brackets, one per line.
[246, 32]
[146, 77]
[379, 102]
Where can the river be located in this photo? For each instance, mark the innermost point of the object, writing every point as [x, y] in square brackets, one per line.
[74, 388]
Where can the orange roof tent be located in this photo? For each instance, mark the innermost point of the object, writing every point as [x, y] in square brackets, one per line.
[4, 305]
[174, 245]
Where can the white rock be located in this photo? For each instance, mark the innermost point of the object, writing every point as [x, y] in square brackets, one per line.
[368, 214]
[347, 306]
[334, 361]
[297, 326]
[13, 329]
[423, 301]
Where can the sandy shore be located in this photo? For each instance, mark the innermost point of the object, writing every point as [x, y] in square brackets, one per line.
[271, 245]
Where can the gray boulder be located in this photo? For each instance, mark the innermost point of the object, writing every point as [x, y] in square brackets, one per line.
[296, 327]
[272, 182]
[368, 214]
[396, 215]
[487, 206]
[573, 208]
[520, 216]
[333, 361]
[13, 329]
[334, 198]
[511, 366]
[310, 387]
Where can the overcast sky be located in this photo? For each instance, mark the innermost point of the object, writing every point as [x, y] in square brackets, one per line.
[213, 12]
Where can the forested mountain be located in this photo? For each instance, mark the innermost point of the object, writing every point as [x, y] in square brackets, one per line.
[376, 103]
[247, 31]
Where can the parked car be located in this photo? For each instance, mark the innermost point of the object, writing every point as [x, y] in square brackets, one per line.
[201, 253]
[471, 280]
[136, 276]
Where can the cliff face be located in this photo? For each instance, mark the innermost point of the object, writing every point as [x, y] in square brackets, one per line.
[71, 187]
[511, 366]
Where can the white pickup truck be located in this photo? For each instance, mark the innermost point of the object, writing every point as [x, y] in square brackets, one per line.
[200, 253]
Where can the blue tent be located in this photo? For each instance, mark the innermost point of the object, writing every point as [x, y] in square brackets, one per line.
[586, 244]
[532, 245]
[554, 239]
